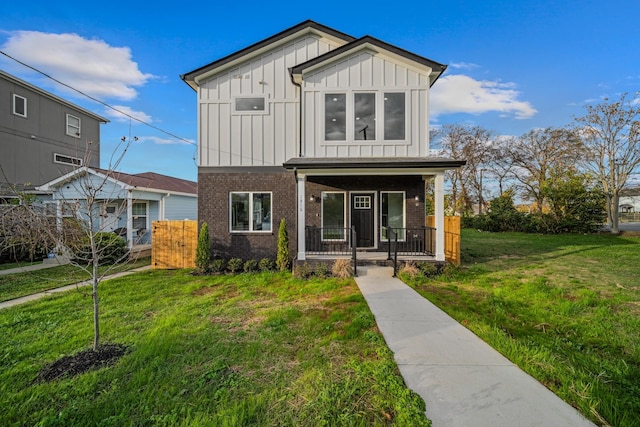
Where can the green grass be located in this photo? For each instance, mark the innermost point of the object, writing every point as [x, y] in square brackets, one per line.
[564, 308]
[251, 349]
[27, 283]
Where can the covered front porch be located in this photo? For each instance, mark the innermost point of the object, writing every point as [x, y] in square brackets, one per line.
[369, 208]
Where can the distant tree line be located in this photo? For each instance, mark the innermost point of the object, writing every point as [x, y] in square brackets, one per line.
[570, 178]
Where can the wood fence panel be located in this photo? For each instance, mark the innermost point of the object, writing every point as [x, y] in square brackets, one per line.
[173, 244]
[451, 237]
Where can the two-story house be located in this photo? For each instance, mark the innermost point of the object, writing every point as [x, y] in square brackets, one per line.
[327, 131]
[42, 136]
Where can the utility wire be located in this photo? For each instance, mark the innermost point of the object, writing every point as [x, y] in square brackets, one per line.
[97, 100]
[129, 115]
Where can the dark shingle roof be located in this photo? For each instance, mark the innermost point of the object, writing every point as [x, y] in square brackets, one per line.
[153, 181]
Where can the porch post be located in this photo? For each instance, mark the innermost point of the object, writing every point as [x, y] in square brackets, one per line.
[301, 181]
[129, 221]
[439, 215]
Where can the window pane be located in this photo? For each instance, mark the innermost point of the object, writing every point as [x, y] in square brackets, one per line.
[262, 212]
[239, 211]
[393, 214]
[19, 105]
[333, 216]
[139, 209]
[394, 116]
[249, 104]
[335, 113]
[365, 116]
[73, 125]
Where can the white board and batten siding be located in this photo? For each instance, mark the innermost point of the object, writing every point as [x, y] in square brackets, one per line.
[366, 71]
[268, 138]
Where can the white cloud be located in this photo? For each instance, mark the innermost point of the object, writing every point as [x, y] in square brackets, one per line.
[463, 94]
[127, 112]
[89, 65]
[463, 65]
[164, 141]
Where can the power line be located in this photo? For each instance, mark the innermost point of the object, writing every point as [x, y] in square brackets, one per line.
[210, 149]
[97, 100]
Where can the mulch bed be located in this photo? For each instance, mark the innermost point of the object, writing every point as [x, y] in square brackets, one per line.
[79, 363]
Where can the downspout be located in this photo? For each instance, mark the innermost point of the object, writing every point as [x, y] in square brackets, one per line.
[299, 85]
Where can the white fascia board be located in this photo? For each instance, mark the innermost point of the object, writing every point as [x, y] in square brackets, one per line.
[375, 50]
[264, 49]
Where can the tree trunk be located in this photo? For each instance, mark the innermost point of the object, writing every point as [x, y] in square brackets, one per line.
[96, 320]
[614, 214]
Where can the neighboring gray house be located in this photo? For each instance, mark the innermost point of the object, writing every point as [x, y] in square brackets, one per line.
[126, 204]
[327, 131]
[42, 136]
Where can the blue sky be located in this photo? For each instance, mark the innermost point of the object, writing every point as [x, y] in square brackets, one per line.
[513, 65]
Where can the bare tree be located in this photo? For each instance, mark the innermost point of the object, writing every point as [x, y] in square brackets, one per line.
[535, 154]
[473, 144]
[610, 132]
[75, 229]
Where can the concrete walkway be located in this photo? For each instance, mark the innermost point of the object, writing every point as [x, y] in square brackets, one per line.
[22, 300]
[463, 380]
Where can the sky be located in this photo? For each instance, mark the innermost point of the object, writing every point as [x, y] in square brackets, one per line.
[513, 66]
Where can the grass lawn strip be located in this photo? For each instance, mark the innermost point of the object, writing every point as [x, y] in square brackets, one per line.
[30, 282]
[250, 349]
[565, 308]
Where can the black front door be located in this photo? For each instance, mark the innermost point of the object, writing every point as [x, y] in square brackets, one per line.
[362, 218]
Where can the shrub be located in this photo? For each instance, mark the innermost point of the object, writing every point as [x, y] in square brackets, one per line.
[110, 249]
[250, 266]
[342, 268]
[302, 271]
[266, 264]
[203, 250]
[234, 265]
[282, 260]
[410, 269]
[321, 270]
[428, 269]
[218, 265]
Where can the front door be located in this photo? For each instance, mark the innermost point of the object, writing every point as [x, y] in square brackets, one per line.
[362, 213]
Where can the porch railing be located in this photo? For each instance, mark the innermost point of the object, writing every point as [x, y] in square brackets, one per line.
[412, 241]
[332, 241]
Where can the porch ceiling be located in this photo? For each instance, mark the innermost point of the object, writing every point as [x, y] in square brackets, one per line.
[371, 165]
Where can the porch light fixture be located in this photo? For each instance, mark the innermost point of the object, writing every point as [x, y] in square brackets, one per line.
[313, 199]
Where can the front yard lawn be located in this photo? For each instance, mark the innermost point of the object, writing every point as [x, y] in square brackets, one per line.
[565, 308]
[251, 349]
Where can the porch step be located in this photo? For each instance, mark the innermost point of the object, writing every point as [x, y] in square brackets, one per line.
[375, 262]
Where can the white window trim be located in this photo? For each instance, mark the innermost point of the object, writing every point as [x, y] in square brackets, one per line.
[56, 155]
[79, 127]
[250, 193]
[13, 105]
[250, 112]
[404, 213]
[350, 116]
[345, 215]
[146, 214]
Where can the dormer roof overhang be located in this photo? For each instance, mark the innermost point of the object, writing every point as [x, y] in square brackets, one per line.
[193, 78]
[435, 69]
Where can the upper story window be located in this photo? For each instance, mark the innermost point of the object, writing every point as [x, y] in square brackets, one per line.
[73, 125]
[67, 160]
[255, 105]
[19, 105]
[374, 116]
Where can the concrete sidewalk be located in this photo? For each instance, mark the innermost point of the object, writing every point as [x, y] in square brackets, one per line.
[22, 300]
[463, 380]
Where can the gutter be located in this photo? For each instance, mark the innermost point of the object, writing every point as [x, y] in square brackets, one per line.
[299, 85]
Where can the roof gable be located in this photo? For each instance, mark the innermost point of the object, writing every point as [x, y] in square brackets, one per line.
[306, 27]
[147, 181]
[375, 45]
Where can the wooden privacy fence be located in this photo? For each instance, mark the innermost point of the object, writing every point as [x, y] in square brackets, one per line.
[451, 237]
[173, 244]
